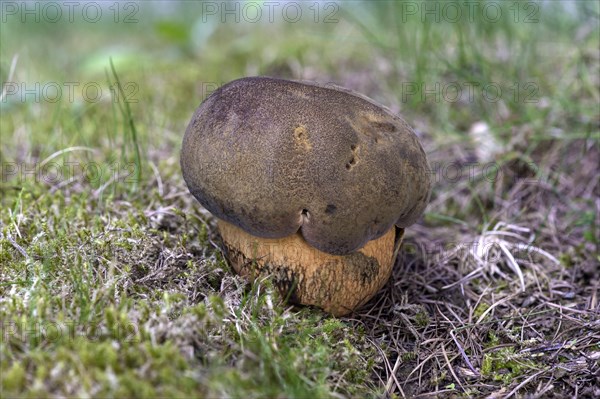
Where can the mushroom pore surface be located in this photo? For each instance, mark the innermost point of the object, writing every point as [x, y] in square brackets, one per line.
[275, 157]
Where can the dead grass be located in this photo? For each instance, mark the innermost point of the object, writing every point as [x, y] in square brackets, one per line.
[493, 313]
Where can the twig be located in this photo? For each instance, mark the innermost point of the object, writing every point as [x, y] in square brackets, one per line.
[463, 354]
[450, 367]
[14, 244]
[387, 363]
[521, 385]
[388, 386]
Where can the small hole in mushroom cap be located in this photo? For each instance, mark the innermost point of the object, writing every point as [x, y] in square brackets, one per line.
[384, 126]
[299, 132]
[304, 217]
[302, 138]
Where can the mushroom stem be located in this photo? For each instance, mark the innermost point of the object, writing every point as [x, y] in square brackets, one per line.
[305, 275]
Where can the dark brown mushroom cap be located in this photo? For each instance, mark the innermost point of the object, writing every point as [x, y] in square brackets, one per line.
[274, 156]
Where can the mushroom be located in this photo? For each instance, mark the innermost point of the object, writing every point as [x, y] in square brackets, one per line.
[312, 184]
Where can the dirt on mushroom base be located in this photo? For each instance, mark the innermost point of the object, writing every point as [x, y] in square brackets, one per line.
[305, 275]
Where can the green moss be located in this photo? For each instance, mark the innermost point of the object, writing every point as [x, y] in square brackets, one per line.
[480, 309]
[505, 365]
[332, 326]
[14, 378]
[422, 318]
[493, 339]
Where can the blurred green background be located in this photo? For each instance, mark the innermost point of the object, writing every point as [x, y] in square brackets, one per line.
[172, 54]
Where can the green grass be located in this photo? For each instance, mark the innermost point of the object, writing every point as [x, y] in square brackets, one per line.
[87, 316]
[111, 280]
